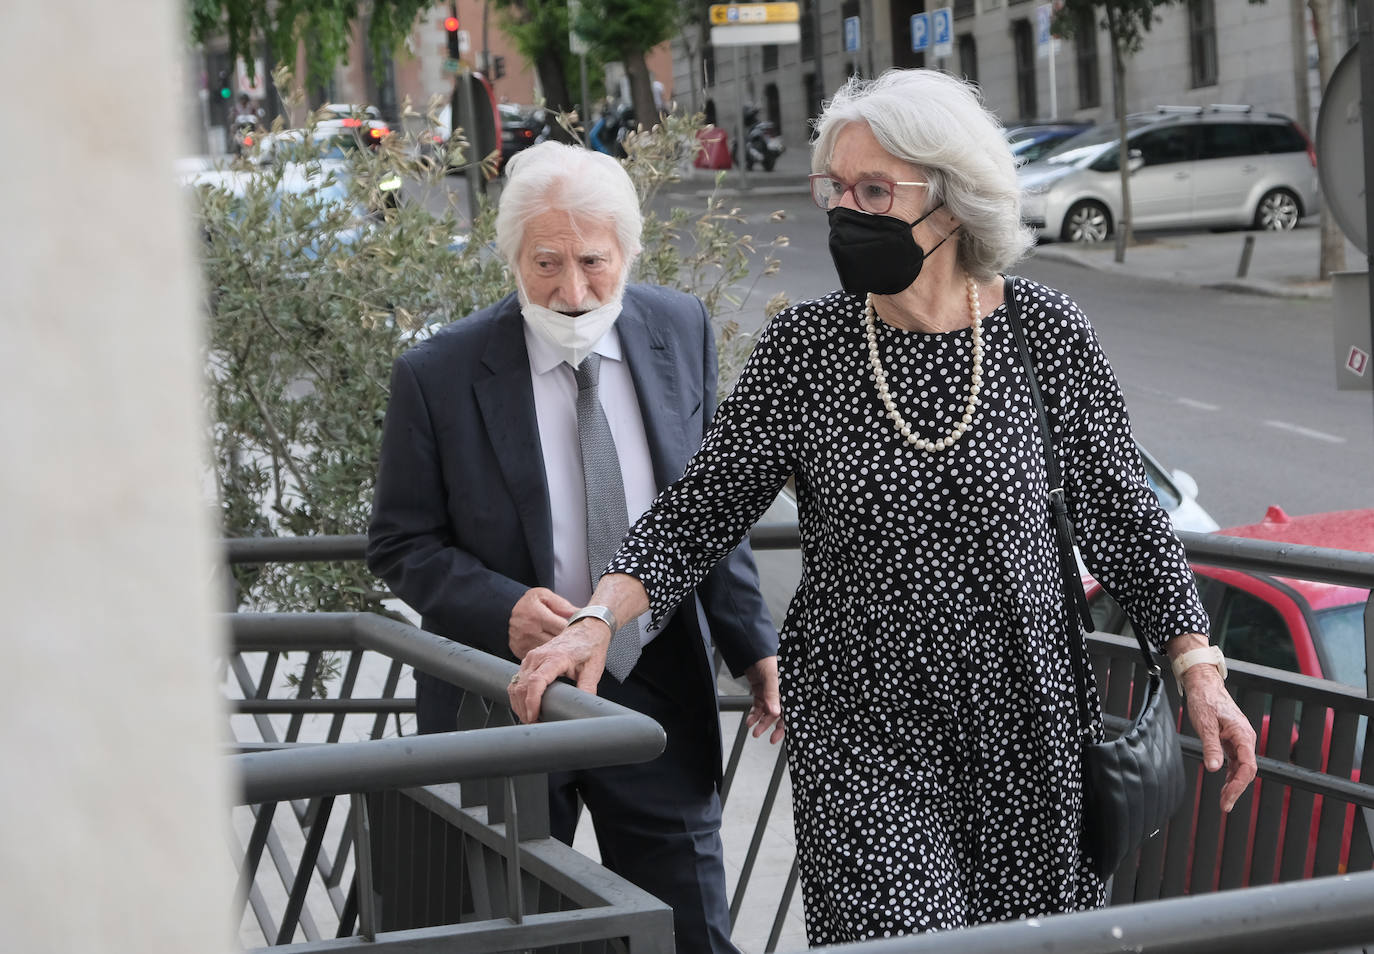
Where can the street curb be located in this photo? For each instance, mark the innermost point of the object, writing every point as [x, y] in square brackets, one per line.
[1234, 285]
[1270, 289]
[701, 182]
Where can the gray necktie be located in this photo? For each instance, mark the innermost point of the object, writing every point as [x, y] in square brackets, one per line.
[607, 519]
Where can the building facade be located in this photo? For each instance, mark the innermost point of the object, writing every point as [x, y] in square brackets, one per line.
[1199, 52]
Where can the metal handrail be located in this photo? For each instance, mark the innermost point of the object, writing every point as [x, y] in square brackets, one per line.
[565, 740]
[506, 761]
[1323, 565]
[1298, 703]
[1319, 564]
[1276, 919]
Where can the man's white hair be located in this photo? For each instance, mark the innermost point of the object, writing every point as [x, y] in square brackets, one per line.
[938, 122]
[588, 185]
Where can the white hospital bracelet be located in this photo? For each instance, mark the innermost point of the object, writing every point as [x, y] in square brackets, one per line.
[1207, 654]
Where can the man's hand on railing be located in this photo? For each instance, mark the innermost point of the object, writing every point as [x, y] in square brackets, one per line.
[767, 708]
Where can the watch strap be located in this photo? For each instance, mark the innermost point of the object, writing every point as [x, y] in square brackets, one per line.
[596, 611]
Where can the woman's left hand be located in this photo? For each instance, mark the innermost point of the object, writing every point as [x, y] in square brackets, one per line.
[1223, 730]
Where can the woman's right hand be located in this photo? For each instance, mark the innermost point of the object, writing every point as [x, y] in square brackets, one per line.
[579, 652]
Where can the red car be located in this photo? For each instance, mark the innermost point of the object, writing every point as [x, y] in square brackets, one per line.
[1313, 628]
[1316, 629]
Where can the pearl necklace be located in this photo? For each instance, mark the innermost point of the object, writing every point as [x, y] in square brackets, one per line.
[975, 378]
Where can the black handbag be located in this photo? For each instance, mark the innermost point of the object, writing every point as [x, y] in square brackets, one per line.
[1133, 784]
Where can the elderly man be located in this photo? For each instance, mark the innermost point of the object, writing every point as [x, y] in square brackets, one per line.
[519, 444]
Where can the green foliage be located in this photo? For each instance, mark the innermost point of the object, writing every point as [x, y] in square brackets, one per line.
[699, 251]
[316, 278]
[540, 31]
[1126, 21]
[620, 27]
[323, 27]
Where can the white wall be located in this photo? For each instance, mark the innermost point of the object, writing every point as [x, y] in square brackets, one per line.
[114, 800]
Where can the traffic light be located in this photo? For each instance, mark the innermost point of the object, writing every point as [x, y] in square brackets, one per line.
[451, 26]
[498, 66]
[225, 91]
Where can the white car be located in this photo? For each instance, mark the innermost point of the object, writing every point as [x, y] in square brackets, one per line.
[1190, 168]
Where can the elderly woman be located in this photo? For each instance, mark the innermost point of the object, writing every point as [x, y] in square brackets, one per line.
[925, 672]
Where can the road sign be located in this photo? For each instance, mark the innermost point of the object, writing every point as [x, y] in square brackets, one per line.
[754, 34]
[1044, 13]
[256, 87]
[851, 34]
[728, 14]
[942, 28]
[577, 45]
[920, 32]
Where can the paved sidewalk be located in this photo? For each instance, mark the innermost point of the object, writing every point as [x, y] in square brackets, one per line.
[1283, 264]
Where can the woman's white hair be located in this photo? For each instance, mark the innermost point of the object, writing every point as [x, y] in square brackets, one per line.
[938, 122]
[586, 184]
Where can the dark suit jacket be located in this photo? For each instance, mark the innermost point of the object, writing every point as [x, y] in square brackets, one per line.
[460, 522]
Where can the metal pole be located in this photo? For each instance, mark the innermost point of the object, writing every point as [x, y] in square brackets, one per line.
[363, 875]
[1246, 251]
[472, 172]
[818, 52]
[1054, 89]
[486, 49]
[586, 111]
[741, 146]
[1365, 16]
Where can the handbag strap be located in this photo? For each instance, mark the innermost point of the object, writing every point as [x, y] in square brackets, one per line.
[1059, 512]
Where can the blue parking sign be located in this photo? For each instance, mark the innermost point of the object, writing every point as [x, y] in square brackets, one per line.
[920, 32]
[942, 27]
[851, 34]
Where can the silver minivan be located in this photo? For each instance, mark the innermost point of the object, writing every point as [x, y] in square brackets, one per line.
[1201, 167]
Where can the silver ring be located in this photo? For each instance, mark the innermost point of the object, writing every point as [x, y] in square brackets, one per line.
[514, 679]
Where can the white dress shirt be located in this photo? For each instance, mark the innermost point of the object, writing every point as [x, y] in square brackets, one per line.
[555, 406]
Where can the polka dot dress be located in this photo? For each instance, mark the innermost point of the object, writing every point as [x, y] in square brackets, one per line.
[932, 722]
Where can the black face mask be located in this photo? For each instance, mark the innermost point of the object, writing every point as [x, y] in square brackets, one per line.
[876, 253]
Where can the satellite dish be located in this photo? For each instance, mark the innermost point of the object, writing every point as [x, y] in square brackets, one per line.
[1340, 150]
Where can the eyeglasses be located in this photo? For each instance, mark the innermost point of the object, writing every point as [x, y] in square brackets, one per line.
[874, 194]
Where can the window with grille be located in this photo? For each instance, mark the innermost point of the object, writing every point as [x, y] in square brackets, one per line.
[1202, 41]
[1085, 59]
[968, 57]
[1023, 44]
[900, 13]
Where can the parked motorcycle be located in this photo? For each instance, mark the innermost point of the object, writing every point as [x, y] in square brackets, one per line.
[244, 133]
[762, 143]
[609, 131]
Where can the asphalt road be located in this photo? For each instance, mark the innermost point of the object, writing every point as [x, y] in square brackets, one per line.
[1237, 390]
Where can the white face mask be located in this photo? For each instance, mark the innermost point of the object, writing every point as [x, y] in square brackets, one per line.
[572, 336]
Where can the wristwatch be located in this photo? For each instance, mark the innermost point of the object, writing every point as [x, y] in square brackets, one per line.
[1186, 661]
[596, 611]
